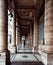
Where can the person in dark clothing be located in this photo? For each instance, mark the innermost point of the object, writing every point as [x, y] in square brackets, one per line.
[24, 43]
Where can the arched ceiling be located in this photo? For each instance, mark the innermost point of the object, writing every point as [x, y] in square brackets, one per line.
[25, 12]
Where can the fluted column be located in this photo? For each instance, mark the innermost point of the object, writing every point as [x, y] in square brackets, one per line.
[48, 25]
[13, 50]
[4, 32]
[35, 36]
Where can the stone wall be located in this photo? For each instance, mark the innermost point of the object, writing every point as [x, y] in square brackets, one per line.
[41, 30]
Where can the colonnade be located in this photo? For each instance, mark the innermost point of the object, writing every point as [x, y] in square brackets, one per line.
[48, 31]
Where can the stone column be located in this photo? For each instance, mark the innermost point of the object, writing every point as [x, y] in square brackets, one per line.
[13, 49]
[48, 25]
[28, 41]
[4, 53]
[19, 35]
[35, 36]
[31, 36]
[17, 43]
[48, 33]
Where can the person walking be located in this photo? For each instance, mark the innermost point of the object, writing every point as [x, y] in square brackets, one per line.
[24, 43]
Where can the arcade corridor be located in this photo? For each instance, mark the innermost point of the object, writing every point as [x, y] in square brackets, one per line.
[24, 56]
[26, 32]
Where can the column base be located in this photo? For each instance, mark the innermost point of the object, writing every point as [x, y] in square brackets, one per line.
[13, 50]
[49, 48]
[35, 50]
[17, 47]
[5, 58]
[46, 57]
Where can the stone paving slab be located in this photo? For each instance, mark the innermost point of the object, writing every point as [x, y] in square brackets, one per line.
[20, 58]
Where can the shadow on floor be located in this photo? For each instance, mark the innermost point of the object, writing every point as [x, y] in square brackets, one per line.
[27, 63]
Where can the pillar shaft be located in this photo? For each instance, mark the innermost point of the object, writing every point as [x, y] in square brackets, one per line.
[19, 36]
[14, 30]
[4, 53]
[28, 41]
[13, 49]
[48, 25]
[31, 31]
[31, 36]
[36, 34]
[16, 36]
[3, 25]
[16, 33]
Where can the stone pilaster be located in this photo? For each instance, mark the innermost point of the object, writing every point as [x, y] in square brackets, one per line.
[13, 49]
[48, 25]
[28, 41]
[17, 43]
[48, 34]
[4, 53]
[35, 36]
[31, 36]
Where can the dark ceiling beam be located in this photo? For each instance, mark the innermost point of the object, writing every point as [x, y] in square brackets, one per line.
[30, 10]
[24, 33]
[27, 19]
[25, 29]
[25, 22]
[41, 10]
[24, 26]
[26, 7]
[21, 24]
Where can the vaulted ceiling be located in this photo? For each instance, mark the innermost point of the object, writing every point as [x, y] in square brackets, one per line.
[25, 11]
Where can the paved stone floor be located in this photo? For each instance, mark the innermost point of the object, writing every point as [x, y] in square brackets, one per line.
[25, 57]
